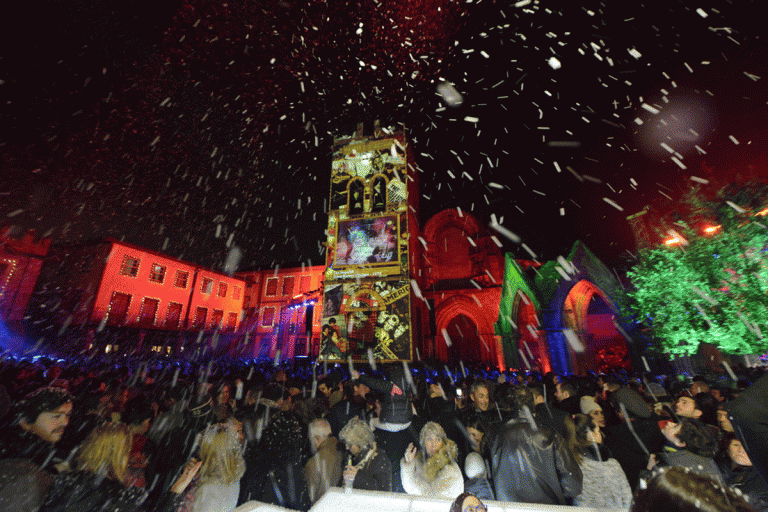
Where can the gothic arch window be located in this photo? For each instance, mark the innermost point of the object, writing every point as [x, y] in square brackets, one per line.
[378, 193]
[356, 197]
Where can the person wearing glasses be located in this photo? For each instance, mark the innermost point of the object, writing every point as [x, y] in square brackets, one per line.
[468, 502]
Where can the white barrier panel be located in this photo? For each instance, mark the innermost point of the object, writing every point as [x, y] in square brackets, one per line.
[257, 506]
[337, 500]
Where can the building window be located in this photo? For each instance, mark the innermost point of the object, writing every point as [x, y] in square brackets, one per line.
[181, 280]
[118, 308]
[207, 285]
[157, 273]
[269, 317]
[306, 282]
[173, 315]
[148, 312]
[288, 285]
[236, 291]
[246, 302]
[130, 266]
[216, 318]
[271, 287]
[231, 322]
[200, 315]
[222, 290]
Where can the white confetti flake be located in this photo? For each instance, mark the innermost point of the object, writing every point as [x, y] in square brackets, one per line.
[613, 203]
[733, 139]
[471, 119]
[633, 52]
[450, 95]
[679, 163]
[507, 233]
[652, 110]
[735, 206]
[638, 121]
[554, 63]
[701, 12]
[700, 180]
[522, 3]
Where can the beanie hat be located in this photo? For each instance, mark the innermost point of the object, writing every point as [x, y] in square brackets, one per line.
[588, 404]
[474, 467]
[43, 400]
[633, 402]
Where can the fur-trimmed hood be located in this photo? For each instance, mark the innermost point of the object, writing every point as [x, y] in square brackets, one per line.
[431, 466]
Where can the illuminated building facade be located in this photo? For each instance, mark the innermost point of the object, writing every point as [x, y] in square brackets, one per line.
[20, 262]
[372, 303]
[127, 295]
[281, 312]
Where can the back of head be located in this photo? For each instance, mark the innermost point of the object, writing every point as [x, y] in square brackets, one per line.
[708, 405]
[678, 490]
[105, 451]
[319, 429]
[137, 410]
[698, 437]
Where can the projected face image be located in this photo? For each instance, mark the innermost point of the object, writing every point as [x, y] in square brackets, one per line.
[367, 241]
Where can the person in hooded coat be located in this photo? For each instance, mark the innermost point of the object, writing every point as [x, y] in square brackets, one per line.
[432, 471]
[530, 463]
[367, 468]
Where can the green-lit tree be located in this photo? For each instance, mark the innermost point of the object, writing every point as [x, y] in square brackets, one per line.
[709, 287]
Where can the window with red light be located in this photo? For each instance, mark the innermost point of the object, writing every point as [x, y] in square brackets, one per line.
[222, 290]
[288, 285]
[305, 283]
[236, 291]
[269, 317]
[271, 287]
[130, 266]
[148, 312]
[157, 273]
[173, 315]
[207, 285]
[181, 280]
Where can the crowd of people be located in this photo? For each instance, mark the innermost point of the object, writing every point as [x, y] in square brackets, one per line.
[172, 435]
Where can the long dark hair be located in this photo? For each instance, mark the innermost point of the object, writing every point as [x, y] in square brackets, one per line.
[678, 490]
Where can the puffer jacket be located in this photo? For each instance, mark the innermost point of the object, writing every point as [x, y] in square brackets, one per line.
[532, 465]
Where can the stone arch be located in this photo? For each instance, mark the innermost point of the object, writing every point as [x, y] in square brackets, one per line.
[458, 248]
[465, 306]
[532, 341]
[569, 308]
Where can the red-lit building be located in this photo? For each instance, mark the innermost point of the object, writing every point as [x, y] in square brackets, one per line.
[281, 312]
[20, 263]
[113, 285]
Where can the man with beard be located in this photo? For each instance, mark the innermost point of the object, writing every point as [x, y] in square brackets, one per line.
[28, 449]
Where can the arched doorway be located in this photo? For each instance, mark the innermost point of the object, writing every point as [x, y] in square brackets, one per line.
[590, 313]
[465, 343]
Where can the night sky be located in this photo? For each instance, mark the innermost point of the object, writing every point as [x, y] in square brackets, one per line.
[196, 127]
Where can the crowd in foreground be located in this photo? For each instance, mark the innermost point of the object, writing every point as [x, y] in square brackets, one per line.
[168, 436]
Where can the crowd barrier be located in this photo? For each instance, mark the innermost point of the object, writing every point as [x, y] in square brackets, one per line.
[337, 500]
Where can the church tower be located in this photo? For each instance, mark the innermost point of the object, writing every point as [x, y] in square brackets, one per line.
[372, 305]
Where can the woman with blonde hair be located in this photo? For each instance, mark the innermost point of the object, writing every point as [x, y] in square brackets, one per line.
[432, 471]
[98, 483]
[222, 465]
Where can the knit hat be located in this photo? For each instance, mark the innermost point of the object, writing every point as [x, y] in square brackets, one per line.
[43, 400]
[357, 432]
[633, 402]
[588, 404]
[474, 467]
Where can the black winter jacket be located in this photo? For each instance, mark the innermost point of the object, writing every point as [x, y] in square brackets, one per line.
[533, 466]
